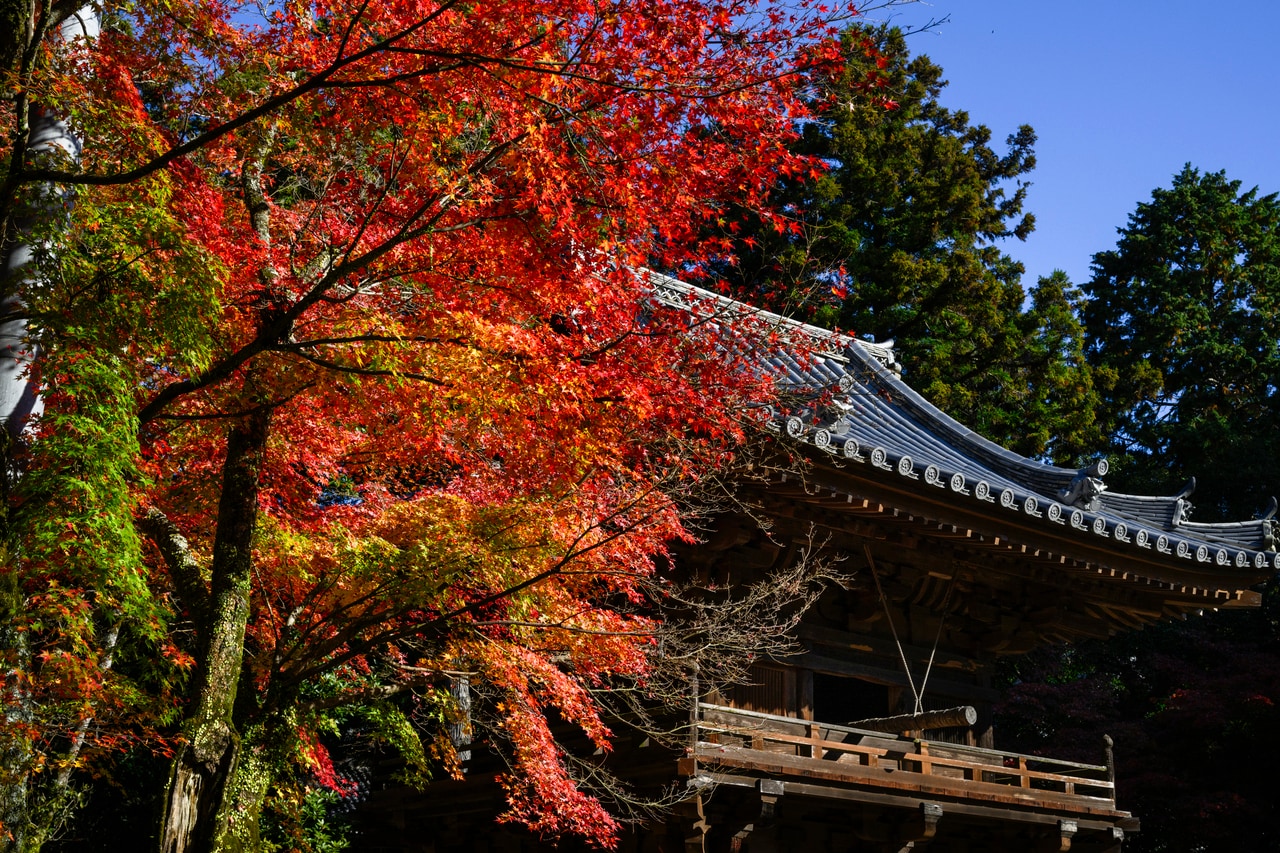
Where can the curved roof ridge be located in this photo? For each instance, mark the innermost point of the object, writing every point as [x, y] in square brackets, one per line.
[1165, 511]
[813, 374]
[1257, 534]
[1047, 480]
[675, 293]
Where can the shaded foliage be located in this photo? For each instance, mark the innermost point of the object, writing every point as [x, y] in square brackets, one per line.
[1193, 708]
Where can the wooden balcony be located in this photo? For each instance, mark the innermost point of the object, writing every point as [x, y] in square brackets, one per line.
[784, 757]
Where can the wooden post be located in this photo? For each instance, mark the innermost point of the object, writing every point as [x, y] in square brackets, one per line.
[695, 839]
[1109, 759]
[804, 688]
[814, 731]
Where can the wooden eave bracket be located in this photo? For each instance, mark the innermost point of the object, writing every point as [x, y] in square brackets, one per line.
[1242, 598]
[1115, 840]
[770, 791]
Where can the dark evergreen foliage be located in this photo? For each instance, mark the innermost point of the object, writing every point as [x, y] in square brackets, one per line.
[899, 239]
[1184, 339]
[1183, 320]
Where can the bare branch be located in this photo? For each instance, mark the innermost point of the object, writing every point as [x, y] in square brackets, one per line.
[188, 577]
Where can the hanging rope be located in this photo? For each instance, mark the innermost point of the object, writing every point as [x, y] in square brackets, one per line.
[917, 695]
[884, 602]
[942, 620]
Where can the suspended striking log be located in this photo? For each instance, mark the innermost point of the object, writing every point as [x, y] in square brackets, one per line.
[965, 715]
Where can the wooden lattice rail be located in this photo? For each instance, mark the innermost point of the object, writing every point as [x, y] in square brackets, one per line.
[724, 727]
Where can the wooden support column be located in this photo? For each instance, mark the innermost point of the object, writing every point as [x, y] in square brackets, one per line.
[983, 735]
[1060, 842]
[695, 834]
[1109, 758]
[761, 825]
[918, 831]
[804, 691]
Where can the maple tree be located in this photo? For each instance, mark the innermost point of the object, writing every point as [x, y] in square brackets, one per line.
[350, 391]
[1191, 707]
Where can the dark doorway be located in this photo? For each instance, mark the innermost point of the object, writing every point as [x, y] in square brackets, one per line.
[842, 700]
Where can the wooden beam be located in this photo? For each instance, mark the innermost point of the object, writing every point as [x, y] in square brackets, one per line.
[999, 814]
[880, 675]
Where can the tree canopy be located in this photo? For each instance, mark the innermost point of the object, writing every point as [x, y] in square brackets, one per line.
[1182, 335]
[351, 393]
[899, 239]
[1192, 710]
[1183, 316]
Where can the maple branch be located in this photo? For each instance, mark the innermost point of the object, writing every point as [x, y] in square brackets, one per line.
[252, 410]
[362, 371]
[78, 736]
[313, 83]
[422, 676]
[323, 653]
[370, 338]
[559, 626]
[350, 604]
[364, 695]
[591, 355]
[484, 62]
[276, 329]
[216, 416]
[384, 192]
[40, 25]
[296, 348]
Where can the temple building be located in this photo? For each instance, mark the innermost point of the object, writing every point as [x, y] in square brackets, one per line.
[878, 736]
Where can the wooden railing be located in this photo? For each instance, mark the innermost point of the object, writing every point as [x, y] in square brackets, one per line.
[724, 732]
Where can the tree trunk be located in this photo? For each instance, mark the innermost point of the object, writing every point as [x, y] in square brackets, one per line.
[48, 136]
[195, 816]
[16, 753]
[262, 750]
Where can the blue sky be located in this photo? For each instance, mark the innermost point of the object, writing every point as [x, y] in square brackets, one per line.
[1121, 94]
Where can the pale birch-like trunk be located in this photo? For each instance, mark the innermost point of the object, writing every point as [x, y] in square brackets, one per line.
[48, 138]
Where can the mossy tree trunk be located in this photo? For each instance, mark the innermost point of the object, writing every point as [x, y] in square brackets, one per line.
[207, 772]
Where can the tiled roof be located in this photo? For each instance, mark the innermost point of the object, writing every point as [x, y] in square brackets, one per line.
[844, 397]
